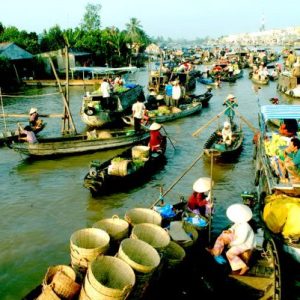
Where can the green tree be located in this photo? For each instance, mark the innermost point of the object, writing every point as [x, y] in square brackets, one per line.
[52, 39]
[91, 18]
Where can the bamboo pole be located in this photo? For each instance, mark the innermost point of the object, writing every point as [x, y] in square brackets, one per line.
[26, 115]
[2, 107]
[168, 136]
[178, 179]
[208, 123]
[211, 196]
[63, 96]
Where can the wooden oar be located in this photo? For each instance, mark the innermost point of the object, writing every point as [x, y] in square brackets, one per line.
[247, 122]
[208, 123]
[168, 136]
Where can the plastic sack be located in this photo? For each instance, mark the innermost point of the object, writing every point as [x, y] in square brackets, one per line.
[197, 221]
[165, 211]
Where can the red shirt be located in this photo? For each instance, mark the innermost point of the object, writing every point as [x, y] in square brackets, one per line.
[196, 200]
[155, 140]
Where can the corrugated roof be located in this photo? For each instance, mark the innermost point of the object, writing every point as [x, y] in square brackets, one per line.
[14, 52]
[280, 112]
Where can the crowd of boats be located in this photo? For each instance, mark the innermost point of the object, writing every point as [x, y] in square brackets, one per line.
[96, 276]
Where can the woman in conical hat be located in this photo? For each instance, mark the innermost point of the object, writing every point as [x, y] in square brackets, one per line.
[199, 202]
[157, 142]
[239, 238]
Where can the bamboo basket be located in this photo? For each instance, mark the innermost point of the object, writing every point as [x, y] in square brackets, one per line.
[55, 269]
[142, 215]
[141, 256]
[116, 228]
[83, 295]
[152, 234]
[174, 254]
[120, 168]
[48, 294]
[86, 244]
[110, 278]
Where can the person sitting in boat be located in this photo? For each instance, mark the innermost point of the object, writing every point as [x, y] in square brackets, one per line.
[34, 122]
[199, 202]
[226, 134]
[157, 140]
[239, 239]
[289, 127]
[291, 161]
[231, 103]
[27, 134]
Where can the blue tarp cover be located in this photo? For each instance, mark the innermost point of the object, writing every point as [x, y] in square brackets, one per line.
[270, 112]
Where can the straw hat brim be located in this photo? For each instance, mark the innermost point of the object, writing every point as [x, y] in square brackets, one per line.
[202, 185]
[155, 126]
[239, 213]
[230, 96]
[32, 110]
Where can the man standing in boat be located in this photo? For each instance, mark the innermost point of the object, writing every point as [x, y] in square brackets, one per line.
[138, 110]
[230, 103]
[105, 90]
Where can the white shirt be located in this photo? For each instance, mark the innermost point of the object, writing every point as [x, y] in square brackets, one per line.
[243, 236]
[138, 110]
[227, 136]
[105, 89]
[176, 92]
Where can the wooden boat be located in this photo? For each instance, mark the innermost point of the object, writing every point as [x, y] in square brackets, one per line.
[168, 114]
[257, 80]
[124, 170]
[80, 143]
[267, 178]
[203, 98]
[97, 111]
[207, 81]
[214, 145]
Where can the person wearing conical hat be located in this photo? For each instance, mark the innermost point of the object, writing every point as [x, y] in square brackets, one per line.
[157, 141]
[239, 238]
[34, 121]
[199, 201]
[230, 102]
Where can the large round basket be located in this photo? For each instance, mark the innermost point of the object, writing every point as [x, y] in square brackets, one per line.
[142, 215]
[48, 294]
[116, 228]
[86, 244]
[109, 278]
[174, 254]
[152, 234]
[140, 152]
[61, 279]
[141, 256]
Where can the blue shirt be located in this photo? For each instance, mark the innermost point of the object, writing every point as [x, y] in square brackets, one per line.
[168, 90]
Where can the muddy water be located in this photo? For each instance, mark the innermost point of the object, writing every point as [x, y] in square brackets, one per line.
[43, 202]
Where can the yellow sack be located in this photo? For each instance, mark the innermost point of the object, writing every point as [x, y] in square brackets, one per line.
[281, 215]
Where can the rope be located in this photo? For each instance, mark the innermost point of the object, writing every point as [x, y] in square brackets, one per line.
[33, 96]
[177, 180]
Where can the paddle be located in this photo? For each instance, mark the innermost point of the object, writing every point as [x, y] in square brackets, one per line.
[168, 136]
[208, 123]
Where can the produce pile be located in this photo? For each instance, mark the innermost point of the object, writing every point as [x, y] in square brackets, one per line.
[275, 145]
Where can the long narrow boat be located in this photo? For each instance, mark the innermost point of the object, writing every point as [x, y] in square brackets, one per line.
[203, 98]
[78, 144]
[125, 170]
[184, 110]
[268, 145]
[214, 145]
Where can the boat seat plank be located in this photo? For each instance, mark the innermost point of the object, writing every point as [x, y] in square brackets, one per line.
[258, 283]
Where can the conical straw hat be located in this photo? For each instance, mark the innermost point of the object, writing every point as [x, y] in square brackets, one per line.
[239, 213]
[202, 185]
[155, 126]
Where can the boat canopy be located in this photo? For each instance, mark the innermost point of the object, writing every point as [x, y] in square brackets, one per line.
[102, 70]
[270, 112]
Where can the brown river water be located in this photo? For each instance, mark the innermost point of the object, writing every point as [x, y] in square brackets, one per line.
[43, 202]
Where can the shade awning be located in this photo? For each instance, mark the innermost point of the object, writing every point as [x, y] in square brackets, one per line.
[270, 112]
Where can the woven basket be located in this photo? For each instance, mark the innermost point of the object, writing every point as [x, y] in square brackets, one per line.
[88, 243]
[140, 152]
[64, 286]
[174, 254]
[110, 277]
[55, 269]
[142, 215]
[48, 294]
[152, 234]
[141, 256]
[83, 295]
[116, 228]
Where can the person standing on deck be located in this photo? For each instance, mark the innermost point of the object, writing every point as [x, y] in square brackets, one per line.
[105, 90]
[138, 110]
[168, 92]
[230, 103]
[176, 94]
